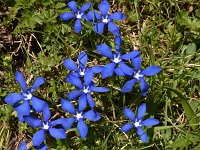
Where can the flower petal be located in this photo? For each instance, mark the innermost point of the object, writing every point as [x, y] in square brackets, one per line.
[67, 123]
[20, 79]
[82, 59]
[97, 69]
[46, 113]
[67, 106]
[33, 121]
[22, 110]
[39, 81]
[70, 65]
[59, 121]
[104, 7]
[141, 111]
[113, 28]
[130, 55]
[119, 72]
[37, 103]
[118, 16]
[38, 137]
[82, 102]
[129, 113]
[57, 133]
[143, 86]
[108, 70]
[127, 127]
[82, 128]
[105, 50]
[67, 16]
[78, 26]
[128, 86]
[99, 89]
[88, 76]
[72, 5]
[73, 94]
[151, 70]
[13, 98]
[93, 15]
[90, 115]
[99, 27]
[118, 41]
[137, 62]
[22, 146]
[85, 7]
[74, 80]
[42, 147]
[90, 100]
[126, 69]
[150, 122]
[142, 135]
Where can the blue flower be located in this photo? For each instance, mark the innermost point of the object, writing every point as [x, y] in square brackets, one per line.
[77, 14]
[105, 18]
[137, 122]
[21, 102]
[85, 89]
[81, 70]
[139, 76]
[45, 125]
[117, 65]
[78, 116]
[23, 146]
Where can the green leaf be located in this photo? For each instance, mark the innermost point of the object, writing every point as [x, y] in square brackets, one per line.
[60, 5]
[191, 48]
[191, 116]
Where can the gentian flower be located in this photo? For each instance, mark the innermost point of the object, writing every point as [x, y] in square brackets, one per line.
[80, 70]
[78, 116]
[23, 146]
[77, 14]
[139, 76]
[117, 59]
[45, 125]
[21, 102]
[137, 122]
[104, 18]
[85, 89]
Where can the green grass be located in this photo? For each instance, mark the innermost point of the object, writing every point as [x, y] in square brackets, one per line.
[166, 32]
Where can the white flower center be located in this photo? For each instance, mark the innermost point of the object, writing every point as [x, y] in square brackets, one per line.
[137, 123]
[45, 126]
[27, 96]
[79, 16]
[86, 89]
[78, 116]
[82, 72]
[105, 20]
[138, 75]
[116, 59]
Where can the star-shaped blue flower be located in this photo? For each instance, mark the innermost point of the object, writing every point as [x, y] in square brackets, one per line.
[137, 122]
[78, 116]
[139, 75]
[45, 125]
[105, 19]
[21, 102]
[117, 65]
[77, 14]
[81, 70]
[85, 89]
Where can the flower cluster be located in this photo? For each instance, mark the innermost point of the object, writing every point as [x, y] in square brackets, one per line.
[28, 106]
